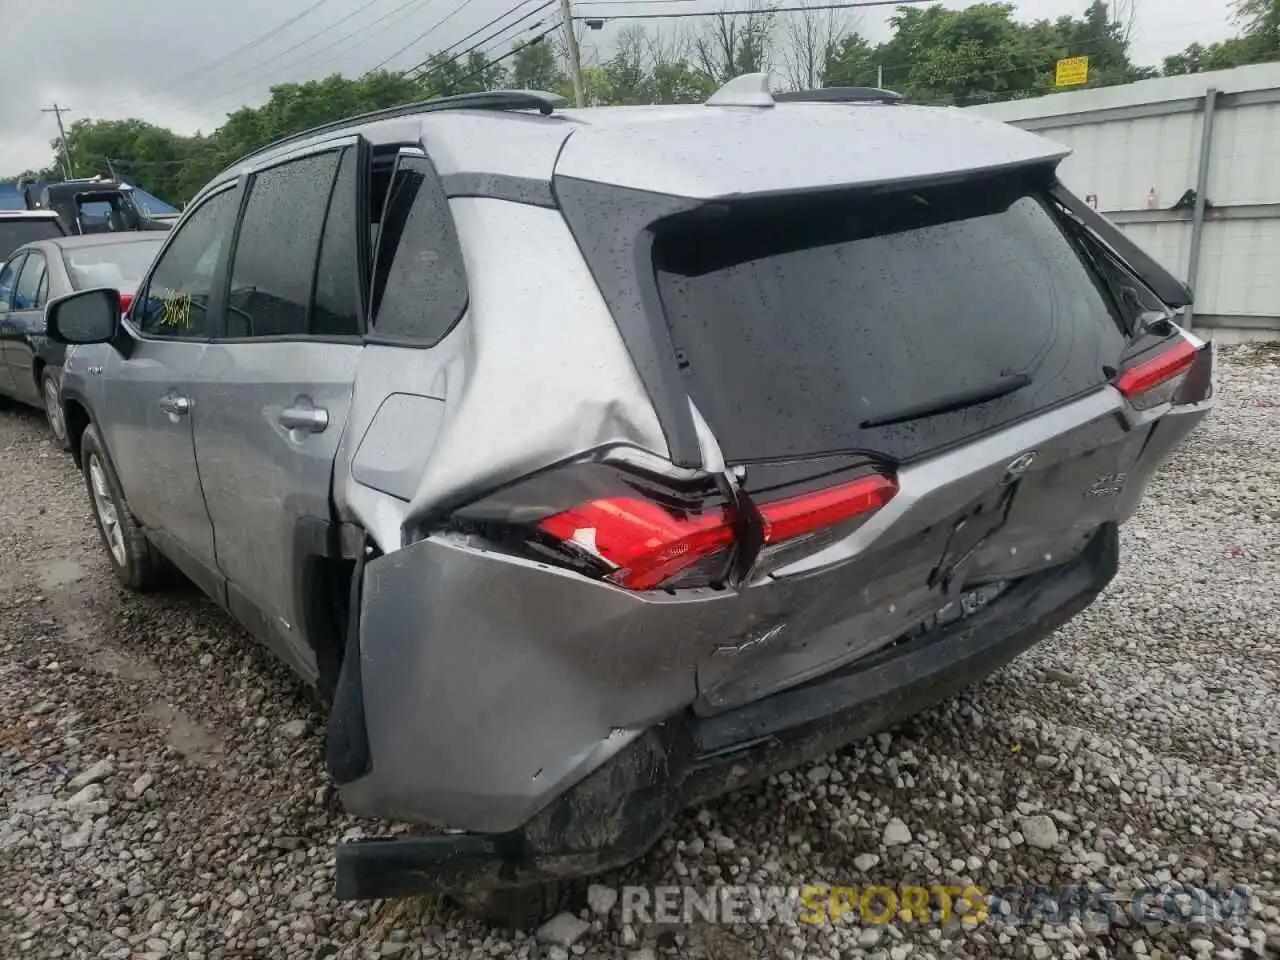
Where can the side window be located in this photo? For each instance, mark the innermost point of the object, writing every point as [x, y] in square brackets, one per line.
[275, 257]
[27, 294]
[9, 280]
[420, 284]
[334, 312]
[176, 301]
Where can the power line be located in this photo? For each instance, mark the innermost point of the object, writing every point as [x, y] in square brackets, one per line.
[500, 16]
[274, 31]
[427, 66]
[757, 11]
[422, 36]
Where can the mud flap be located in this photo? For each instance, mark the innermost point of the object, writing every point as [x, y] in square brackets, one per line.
[347, 753]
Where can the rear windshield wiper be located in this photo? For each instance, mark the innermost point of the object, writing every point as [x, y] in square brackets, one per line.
[949, 404]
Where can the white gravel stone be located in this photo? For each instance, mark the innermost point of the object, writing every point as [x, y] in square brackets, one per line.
[94, 774]
[601, 899]
[896, 833]
[1040, 832]
[563, 930]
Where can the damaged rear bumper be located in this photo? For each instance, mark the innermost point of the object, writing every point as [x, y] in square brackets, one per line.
[624, 806]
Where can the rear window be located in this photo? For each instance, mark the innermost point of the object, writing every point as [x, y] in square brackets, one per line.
[118, 265]
[14, 233]
[802, 325]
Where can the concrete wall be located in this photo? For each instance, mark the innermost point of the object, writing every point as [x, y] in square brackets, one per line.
[1143, 140]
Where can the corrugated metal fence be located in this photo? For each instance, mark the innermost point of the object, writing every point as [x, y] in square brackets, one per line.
[1190, 168]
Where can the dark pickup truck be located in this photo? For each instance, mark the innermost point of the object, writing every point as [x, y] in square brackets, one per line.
[91, 206]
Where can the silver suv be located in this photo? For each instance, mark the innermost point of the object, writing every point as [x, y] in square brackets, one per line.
[597, 462]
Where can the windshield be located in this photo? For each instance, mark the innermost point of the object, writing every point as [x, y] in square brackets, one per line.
[120, 266]
[14, 233]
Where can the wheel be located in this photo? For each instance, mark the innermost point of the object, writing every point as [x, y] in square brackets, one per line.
[136, 563]
[519, 908]
[53, 409]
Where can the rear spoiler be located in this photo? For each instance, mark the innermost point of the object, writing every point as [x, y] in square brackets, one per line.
[1163, 284]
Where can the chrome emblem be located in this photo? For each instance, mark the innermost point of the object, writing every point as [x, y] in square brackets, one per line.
[1017, 468]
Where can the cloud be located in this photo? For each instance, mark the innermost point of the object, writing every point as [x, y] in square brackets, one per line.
[168, 62]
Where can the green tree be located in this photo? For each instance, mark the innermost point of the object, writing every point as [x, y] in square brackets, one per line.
[534, 67]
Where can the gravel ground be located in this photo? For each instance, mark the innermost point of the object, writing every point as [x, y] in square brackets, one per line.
[162, 793]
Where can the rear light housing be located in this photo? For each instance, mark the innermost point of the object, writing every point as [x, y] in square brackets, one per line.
[645, 527]
[1161, 379]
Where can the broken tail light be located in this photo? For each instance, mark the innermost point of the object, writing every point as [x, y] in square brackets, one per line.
[648, 545]
[1158, 380]
[645, 532]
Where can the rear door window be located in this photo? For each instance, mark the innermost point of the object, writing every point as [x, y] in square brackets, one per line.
[420, 284]
[274, 264]
[802, 325]
[27, 296]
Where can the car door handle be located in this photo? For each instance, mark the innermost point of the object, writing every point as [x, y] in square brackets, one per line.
[309, 419]
[176, 406]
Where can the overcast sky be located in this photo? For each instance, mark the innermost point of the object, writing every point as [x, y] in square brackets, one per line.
[176, 62]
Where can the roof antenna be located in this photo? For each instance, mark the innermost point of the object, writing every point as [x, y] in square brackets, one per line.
[748, 90]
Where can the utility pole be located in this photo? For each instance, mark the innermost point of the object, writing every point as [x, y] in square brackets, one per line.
[575, 58]
[879, 76]
[58, 111]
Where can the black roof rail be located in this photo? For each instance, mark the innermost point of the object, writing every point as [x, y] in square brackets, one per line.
[840, 95]
[544, 103]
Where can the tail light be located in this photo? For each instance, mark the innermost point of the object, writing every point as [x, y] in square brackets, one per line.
[642, 530]
[807, 523]
[648, 545]
[1158, 380]
[126, 301]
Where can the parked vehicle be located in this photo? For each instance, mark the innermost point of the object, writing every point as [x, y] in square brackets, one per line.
[602, 461]
[92, 205]
[23, 226]
[44, 270]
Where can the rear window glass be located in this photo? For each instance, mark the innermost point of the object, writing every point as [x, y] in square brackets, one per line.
[118, 265]
[800, 325]
[14, 233]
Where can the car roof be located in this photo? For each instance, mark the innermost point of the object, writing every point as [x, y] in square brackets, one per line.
[100, 239]
[697, 150]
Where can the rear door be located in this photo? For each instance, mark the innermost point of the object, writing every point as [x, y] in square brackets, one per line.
[8, 283]
[23, 322]
[274, 386]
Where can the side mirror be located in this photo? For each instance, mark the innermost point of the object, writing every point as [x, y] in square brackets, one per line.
[89, 316]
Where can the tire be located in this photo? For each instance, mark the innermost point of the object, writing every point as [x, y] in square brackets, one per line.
[136, 562]
[520, 908]
[52, 397]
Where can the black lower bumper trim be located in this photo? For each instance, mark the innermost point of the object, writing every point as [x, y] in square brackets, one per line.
[622, 809]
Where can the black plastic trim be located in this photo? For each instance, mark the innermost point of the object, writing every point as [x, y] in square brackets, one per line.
[1163, 284]
[347, 753]
[499, 186]
[839, 95]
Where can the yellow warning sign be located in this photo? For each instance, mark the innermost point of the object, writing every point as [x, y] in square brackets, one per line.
[1072, 72]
